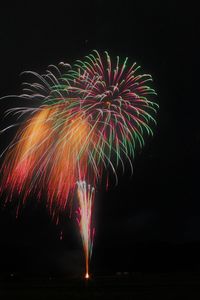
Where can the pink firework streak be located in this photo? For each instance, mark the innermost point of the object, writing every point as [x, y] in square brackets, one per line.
[86, 199]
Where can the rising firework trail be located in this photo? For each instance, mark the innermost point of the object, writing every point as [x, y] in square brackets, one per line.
[86, 199]
[82, 119]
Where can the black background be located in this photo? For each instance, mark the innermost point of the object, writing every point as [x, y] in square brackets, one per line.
[150, 221]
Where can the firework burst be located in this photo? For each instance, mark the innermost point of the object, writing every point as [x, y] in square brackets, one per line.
[92, 115]
[84, 119]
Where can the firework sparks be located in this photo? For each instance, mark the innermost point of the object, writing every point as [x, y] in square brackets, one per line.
[85, 119]
[90, 116]
[86, 199]
[47, 157]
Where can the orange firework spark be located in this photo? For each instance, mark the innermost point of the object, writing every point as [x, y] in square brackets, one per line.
[45, 156]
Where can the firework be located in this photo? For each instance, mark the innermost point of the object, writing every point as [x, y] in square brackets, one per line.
[47, 158]
[89, 117]
[86, 198]
[84, 119]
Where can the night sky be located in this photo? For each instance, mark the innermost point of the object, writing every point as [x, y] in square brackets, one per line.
[151, 220]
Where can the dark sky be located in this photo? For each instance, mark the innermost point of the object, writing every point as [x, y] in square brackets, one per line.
[150, 221]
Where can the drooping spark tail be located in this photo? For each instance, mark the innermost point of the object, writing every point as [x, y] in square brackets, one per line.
[86, 199]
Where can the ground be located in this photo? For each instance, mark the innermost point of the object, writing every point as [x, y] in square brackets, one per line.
[121, 286]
